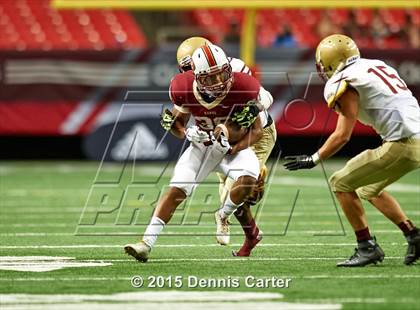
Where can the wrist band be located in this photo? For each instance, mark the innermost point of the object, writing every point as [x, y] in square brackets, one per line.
[315, 158]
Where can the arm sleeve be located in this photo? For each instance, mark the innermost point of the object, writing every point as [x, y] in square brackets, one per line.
[265, 98]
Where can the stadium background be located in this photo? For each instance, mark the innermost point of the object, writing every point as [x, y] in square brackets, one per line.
[66, 73]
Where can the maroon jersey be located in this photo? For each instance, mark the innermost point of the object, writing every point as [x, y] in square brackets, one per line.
[186, 98]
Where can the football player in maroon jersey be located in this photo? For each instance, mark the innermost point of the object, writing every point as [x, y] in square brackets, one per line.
[210, 93]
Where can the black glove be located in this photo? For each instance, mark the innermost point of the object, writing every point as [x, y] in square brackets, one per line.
[299, 162]
[246, 117]
[167, 119]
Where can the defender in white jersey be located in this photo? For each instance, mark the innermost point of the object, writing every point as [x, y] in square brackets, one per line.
[262, 148]
[372, 92]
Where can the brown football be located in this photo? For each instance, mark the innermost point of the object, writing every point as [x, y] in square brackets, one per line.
[231, 130]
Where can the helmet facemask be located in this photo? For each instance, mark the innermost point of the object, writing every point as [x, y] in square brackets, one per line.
[321, 71]
[185, 64]
[216, 82]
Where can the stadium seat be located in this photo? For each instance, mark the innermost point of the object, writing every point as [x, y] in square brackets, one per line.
[34, 24]
[339, 16]
[395, 19]
[304, 24]
[414, 16]
[364, 17]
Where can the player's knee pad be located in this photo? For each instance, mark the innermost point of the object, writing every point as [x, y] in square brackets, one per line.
[367, 194]
[338, 183]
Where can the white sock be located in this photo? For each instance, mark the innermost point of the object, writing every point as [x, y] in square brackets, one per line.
[228, 207]
[153, 230]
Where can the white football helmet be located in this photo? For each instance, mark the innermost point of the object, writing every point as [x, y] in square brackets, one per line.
[212, 70]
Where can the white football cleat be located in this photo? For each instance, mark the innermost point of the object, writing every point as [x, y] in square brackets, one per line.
[222, 230]
[139, 251]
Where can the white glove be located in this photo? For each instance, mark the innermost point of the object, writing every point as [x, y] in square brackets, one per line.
[195, 134]
[222, 145]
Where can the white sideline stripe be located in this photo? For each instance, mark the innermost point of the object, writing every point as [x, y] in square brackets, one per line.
[247, 259]
[37, 225]
[45, 263]
[13, 216]
[359, 300]
[37, 234]
[270, 220]
[32, 258]
[233, 259]
[84, 246]
[364, 276]
[38, 208]
[163, 305]
[145, 296]
[320, 182]
[42, 279]
[163, 300]
[236, 259]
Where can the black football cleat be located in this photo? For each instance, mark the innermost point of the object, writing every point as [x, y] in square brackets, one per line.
[413, 249]
[367, 252]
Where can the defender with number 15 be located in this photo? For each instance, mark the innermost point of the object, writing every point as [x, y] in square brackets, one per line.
[370, 91]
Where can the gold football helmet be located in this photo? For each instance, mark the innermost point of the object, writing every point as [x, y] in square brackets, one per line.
[186, 49]
[334, 53]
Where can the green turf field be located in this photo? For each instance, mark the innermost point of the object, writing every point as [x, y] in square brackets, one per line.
[41, 215]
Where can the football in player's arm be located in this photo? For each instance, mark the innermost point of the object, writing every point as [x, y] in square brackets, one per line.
[176, 122]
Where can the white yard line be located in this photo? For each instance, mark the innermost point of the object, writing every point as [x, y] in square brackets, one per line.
[38, 225]
[320, 182]
[232, 259]
[35, 209]
[34, 234]
[45, 263]
[146, 296]
[18, 216]
[247, 259]
[358, 300]
[42, 279]
[237, 259]
[262, 220]
[185, 234]
[163, 300]
[364, 276]
[93, 246]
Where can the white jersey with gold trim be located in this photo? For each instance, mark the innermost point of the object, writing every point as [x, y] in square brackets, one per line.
[385, 102]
